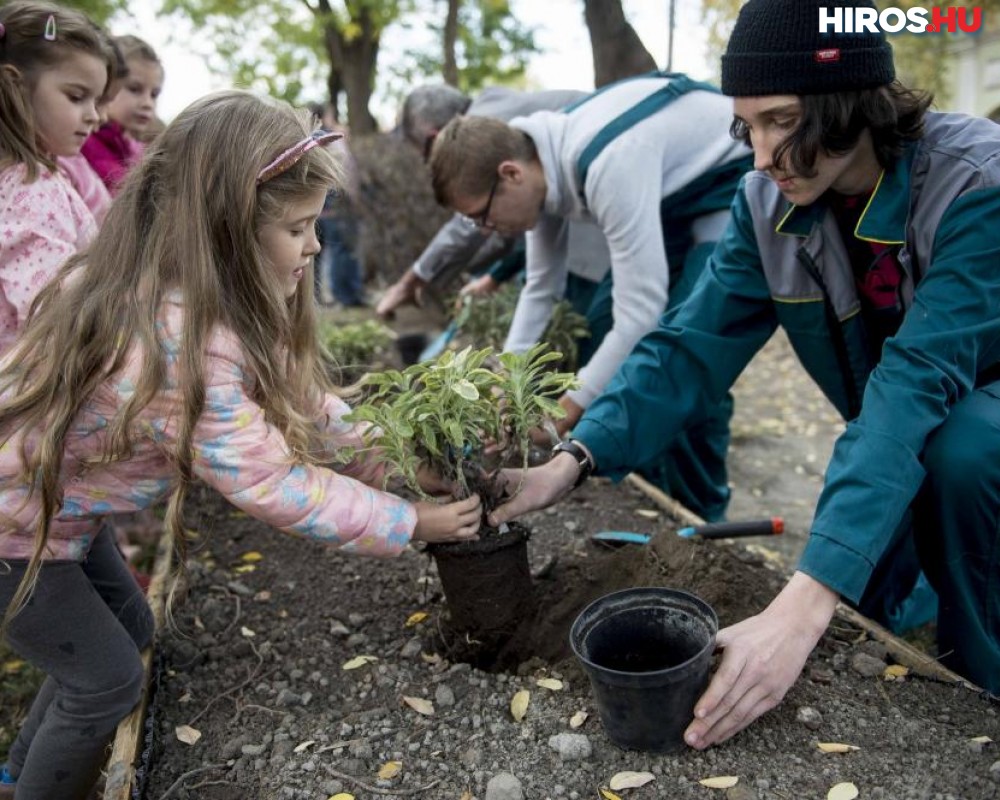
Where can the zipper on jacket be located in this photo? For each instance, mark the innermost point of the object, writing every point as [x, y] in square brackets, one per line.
[837, 331]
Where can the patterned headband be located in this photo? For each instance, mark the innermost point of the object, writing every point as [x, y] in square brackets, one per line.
[290, 157]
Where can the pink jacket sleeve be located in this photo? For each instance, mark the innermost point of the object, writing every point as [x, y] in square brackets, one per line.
[239, 453]
[347, 434]
[42, 224]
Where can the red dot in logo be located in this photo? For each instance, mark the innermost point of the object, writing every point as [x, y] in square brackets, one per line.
[931, 28]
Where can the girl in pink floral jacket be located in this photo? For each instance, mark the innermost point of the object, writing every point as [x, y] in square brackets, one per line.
[180, 347]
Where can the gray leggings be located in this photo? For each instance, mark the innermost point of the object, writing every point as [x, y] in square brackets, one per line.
[84, 627]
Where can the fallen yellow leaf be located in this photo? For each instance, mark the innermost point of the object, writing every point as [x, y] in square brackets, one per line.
[609, 795]
[358, 661]
[301, 748]
[251, 557]
[720, 782]
[390, 769]
[981, 739]
[578, 719]
[648, 513]
[243, 569]
[466, 795]
[519, 704]
[431, 658]
[421, 706]
[342, 796]
[631, 780]
[245, 631]
[416, 618]
[550, 683]
[836, 747]
[842, 791]
[12, 666]
[894, 671]
[187, 734]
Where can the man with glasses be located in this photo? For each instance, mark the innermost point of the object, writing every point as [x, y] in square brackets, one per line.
[459, 247]
[651, 162]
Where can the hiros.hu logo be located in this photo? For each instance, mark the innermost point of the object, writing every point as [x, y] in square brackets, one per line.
[893, 20]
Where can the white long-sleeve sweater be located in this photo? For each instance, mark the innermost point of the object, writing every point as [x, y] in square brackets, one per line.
[624, 186]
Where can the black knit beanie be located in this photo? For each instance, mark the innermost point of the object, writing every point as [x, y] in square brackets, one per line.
[776, 48]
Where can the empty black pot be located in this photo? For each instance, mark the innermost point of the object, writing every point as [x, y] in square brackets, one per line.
[647, 652]
[410, 347]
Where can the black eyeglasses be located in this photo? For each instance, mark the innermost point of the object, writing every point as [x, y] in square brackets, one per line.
[482, 219]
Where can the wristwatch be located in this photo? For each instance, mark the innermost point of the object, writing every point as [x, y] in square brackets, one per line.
[583, 458]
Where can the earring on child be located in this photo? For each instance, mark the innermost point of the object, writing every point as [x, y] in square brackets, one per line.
[50, 28]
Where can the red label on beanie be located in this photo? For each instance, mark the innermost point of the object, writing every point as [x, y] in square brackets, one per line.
[829, 56]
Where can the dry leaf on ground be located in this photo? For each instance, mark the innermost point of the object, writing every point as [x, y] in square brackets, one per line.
[608, 795]
[842, 791]
[416, 618]
[251, 557]
[342, 796]
[550, 683]
[648, 513]
[245, 631]
[631, 780]
[358, 661]
[301, 748]
[466, 795]
[981, 739]
[519, 704]
[894, 671]
[578, 719]
[836, 747]
[420, 705]
[243, 569]
[187, 734]
[390, 769]
[720, 782]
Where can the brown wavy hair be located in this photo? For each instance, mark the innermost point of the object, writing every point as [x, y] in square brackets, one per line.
[24, 54]
[833, 123]
[187, 219]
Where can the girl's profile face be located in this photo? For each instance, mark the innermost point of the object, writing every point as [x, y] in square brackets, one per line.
[64, 101]
[290, 242]
[134, 106]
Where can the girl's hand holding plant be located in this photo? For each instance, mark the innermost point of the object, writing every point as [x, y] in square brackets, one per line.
[452, 522]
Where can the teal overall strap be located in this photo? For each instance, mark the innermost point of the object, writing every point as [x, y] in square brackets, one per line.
[679, 86]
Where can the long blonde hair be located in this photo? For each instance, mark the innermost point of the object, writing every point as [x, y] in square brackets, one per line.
[187, 219]
[25, 52]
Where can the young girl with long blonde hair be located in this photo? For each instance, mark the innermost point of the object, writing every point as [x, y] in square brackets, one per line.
[180, 347]
[53, 69]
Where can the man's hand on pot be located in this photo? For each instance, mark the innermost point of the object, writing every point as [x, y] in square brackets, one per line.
[448, 522]
[408, 289]
[535, 488]
[762, 658]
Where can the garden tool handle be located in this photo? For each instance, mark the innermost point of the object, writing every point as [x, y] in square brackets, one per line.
[732, 530]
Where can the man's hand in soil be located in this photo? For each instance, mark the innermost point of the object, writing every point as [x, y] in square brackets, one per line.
[407, 289]
[762, 658]
[540, 487]
[451, 522]
[482, 286]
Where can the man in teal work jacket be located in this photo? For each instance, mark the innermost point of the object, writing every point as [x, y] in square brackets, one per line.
[869, 233]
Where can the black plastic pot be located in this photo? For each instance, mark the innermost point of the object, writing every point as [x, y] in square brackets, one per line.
[487, 583]
[410, 347]
[647, 652]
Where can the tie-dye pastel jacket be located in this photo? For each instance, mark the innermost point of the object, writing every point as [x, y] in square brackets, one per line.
[235, 450]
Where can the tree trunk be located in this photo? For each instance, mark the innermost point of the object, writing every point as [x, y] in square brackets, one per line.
[618, 51]
[450, 68]
[354, 61]
[335, 87]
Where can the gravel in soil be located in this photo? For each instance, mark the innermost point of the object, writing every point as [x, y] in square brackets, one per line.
[259, 672]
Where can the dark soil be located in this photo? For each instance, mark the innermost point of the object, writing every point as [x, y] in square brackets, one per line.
[261, 676]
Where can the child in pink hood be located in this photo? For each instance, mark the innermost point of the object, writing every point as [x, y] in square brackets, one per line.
[115, 147]
[180, 347]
